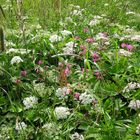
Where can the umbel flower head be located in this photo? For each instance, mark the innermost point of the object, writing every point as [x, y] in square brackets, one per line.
[30, 102]
[20, 126]
[134, 104]
[16, 59]
[85, 98]
[77, 136]
[138, 129]
[55, 38]
[61, 112]
[62, 92]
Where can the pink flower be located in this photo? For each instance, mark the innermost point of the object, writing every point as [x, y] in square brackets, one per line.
[77, 38]
[18, 81]
[105, 34]
[23, 73]
[39, 62]
[67, 71]
[95, 57]
[82, 47]
[123, 45]
[89, 40]
[98, 75]
[85, 30]
[130, 47]
[77, 95]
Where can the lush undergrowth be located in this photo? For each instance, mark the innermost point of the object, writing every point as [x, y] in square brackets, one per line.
[70, 70]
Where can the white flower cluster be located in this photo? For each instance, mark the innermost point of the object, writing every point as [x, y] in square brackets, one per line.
[77, 136]
[77, 12]
[20, 126]
[62, 92]
[30, 101]
[16, 59]
[86, 98]
[69, 49]
[21, 51]
[40, 88]
[48, 126]
[55, 38]
[134, 104]
[62, 112]
[138, 129]
[71, 44]
[66, 32]
[131, 86]
[124, 52]
[5, 132]
[101, 36]
[131, 37]
[96, 20]
[10, 44]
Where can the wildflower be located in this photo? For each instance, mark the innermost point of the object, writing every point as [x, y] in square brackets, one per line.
[85, 30]
[61, 112]
[39, 62]
[30, 102]
[21, 51]
[135, 38]
[131, 86]
[94, 22]
[123, 45]
[68, 50]
[55, 38]
[77, 12]
[77, 95]
[16, 59]
[62, 92]
[18, 81]
[130, 47]
[85, 98]
[20, 126]
[77, 136]
[124, 52]
[98, 75]
[67, 71]
[77, 38]
[82, 47]
[89, 40]
[66, 33]
[102, 36]
[39, 88]
[50, 128]
[71, 44]
[23, 73]
[95, 57]
[134, 104]
[138, 129]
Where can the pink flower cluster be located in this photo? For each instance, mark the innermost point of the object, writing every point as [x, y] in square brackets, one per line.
[90, 40]
[127, 46]
[95, 57]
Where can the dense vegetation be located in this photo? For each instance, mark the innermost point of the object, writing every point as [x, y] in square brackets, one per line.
[69, 70]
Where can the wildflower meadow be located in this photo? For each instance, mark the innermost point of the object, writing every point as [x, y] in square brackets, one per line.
[69, 70]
